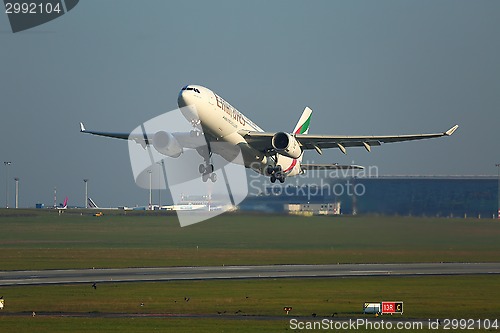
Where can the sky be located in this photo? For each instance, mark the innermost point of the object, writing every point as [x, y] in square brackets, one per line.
[364, 67]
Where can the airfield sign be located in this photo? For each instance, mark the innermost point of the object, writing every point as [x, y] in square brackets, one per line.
[383, 307]
[392, 307]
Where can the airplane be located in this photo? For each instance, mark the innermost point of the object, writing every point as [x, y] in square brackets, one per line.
[274, 154]
[63, 206]
[92, 205]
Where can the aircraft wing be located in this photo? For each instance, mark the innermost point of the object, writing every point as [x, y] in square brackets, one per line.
[142, 139]
[263, 140]
[185, 139]
[123, 136]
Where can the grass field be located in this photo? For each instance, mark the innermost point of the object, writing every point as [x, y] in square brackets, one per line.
[44, 240]
[426, 297]
[41, 239]
[218, 303]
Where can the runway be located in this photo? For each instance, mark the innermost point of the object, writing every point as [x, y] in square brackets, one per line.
[46, 277]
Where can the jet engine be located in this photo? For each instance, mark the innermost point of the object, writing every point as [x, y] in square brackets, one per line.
[166, 144]
[286, 144]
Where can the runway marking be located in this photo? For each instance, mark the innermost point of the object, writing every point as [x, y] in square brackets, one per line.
[241, 272]
[371, 272]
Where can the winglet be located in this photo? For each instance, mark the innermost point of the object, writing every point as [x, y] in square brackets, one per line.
[451, 130]
[82, 128]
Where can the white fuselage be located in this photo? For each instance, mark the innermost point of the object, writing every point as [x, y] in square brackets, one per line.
[221, 122]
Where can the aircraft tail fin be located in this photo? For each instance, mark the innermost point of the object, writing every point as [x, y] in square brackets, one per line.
[65, 203]
[91, 203]
[302, 126]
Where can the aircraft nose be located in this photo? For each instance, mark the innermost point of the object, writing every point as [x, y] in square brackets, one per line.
[189, 95]
[187, 104]
[182, 99]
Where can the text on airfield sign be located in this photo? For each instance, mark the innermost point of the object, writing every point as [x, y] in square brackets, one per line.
[392, 307]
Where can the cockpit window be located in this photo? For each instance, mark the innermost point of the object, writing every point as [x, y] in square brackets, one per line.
[190, 88]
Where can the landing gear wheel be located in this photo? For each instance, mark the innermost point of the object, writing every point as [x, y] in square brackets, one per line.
[206, 169]
[205, 177]
[202, 168]
[276, 173]
[213, 177]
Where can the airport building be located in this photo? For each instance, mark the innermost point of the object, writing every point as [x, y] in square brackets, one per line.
[313, 209]
[442, 196]
[429, 196]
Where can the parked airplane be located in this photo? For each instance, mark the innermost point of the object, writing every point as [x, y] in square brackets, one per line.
[63, 206]
[274, 154]
[92, 205]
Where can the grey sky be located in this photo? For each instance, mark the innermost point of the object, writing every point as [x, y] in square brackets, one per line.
[364, 67]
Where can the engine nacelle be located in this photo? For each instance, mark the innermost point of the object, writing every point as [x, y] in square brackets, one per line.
[166, 144]
[287, 145]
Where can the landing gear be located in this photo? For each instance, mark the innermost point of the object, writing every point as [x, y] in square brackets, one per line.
[207, 172]
[207, 169]
[195, 133]
[276, 173]
[206, 176]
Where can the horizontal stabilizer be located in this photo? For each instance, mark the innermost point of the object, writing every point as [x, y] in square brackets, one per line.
[333, 166]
